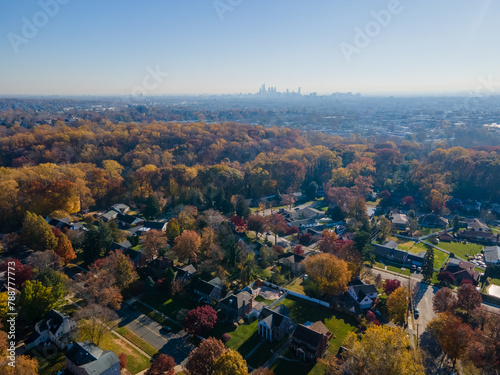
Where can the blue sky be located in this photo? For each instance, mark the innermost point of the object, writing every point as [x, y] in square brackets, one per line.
[108, 46]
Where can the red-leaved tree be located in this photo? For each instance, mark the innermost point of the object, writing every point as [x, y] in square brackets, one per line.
[200, 320]
[162, 365]
[391, 285]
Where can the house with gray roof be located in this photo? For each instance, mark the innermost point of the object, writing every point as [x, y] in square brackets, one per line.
[86, 358]
[236, 306]
[491, 255]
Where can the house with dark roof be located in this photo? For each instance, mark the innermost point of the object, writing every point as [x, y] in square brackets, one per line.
[128, 220]
[433, 221]
[479, 236]
[445, 236]
[155, 225]
[274, 324]
[236, 307]
[56, 327]
[86, 358]
[206, 292]
[491, 255]
[292, 261]
[363, 294]
[310, 342]
[462, 271]
[64, 224]
[185, 273]
[390, 252]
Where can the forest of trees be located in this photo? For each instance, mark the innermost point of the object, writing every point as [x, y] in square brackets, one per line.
[92, 165]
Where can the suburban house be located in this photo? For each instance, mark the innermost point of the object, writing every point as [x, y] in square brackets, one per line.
[310, 342]
[478, 236]
[206, 292]
[363, 294]
[121, 208]
[56, 327]
[236, 307]
[477, 226]
[185, 273]
[155, 225]
[390, 252]
[399, 221]
[433, 221]
[292, 261]
[462, 271]
[110, 215]
[491, 255]
[274, 324]
[445, 236]
[128, 221]
[64, 224]
[86, 358]
[158, 266]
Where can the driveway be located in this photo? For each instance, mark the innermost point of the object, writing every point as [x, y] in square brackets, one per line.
[176, 345]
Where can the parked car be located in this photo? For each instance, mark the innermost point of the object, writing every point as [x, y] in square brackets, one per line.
[416, 314]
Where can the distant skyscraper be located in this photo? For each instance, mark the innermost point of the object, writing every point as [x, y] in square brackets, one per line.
[299, 90]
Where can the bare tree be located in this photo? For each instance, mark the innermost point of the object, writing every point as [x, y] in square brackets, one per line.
[94, 321]
[44, 260]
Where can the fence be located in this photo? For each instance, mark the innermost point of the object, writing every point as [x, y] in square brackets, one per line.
[298, 295]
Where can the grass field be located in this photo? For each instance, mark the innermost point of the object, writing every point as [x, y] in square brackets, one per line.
[460, 249]
[167, 306]
[411, 246]
[137, 362]
[263, 352]
[296, 286]
[262, 299]
[495, 282]
[244, 338]
[51, 365]
[137, 341]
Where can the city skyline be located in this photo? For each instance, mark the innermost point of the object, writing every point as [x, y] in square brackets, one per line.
[56, 47]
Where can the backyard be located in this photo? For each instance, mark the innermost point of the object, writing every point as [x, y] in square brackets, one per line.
[410, 246]
[460, 249]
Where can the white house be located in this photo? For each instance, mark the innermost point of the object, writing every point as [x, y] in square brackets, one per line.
[363, 294]
[56, 327]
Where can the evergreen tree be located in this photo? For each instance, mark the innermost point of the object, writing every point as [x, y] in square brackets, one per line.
[311, 191]
[428, 266]
[153, 207]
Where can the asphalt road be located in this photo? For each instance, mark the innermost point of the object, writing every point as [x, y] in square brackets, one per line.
[176, 345]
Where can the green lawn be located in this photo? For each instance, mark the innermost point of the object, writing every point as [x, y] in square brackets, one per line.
[264, 351]
[495, 229]
[137, 362]
[460, 249]
[166, 305]
[339, 324]
[137, 341]
[296, 286]
[244, 338]
[157, 317]
[406, 271]
[262, 299]
[410, 246]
